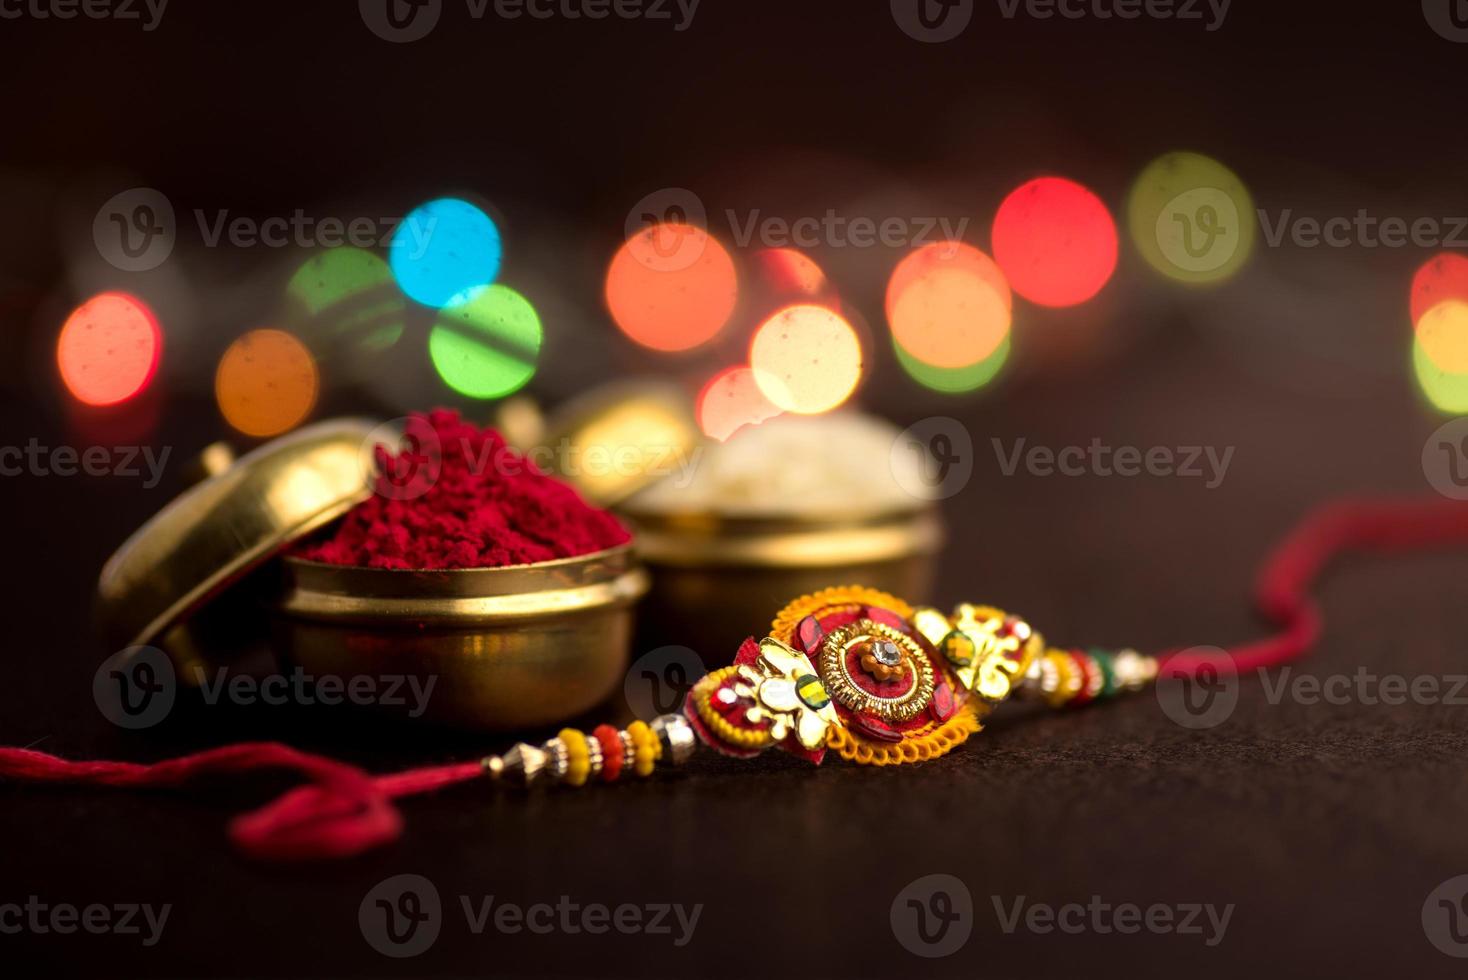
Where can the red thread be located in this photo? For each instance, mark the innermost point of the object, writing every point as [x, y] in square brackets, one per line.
[1281, 589]
[344, 811]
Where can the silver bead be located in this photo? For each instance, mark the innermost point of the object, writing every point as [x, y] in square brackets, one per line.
[677, 737]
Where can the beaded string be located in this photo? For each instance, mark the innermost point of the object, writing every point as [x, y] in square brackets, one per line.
[343, 810]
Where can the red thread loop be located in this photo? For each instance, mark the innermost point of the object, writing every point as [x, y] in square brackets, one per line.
[344, 811]
[1281, 589]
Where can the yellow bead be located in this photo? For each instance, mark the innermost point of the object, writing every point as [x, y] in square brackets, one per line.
[578, 757]
[646, 748]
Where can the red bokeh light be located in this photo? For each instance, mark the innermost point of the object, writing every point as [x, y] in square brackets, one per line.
[1055, 241]
[109, 349]
[1441, 278]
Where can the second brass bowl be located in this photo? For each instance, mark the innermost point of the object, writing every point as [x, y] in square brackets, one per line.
[717, 580]
[513, 647]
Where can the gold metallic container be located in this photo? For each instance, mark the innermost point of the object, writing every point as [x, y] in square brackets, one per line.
[209, 579]
[716, 579]
[504, 648]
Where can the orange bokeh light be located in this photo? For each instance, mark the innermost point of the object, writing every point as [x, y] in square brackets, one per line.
[731, 400]
[266, 383]
[1055, 241]
[671, 287]
[807, 359]
[109, 349]
[949, 305]
[1442, 277]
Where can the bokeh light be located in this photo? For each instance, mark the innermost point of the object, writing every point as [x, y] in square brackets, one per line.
[444, 252]
[791, 274]
[489, 346]
[1442, 277]
[1442, 333]
[349, 292]
[109, 348]
[806, 359]
[949, 305]
[954, 381]
[1055, 242]
[731, 400]
[266, 383]
[671, 287]
[1191, 218]
[1446, 390]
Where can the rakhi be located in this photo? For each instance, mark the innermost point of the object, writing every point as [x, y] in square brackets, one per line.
[848, 670]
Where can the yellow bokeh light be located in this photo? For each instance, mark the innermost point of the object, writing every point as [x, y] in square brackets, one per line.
[266, 383]
[806, 359]
[1191, 218]
[1443, 334]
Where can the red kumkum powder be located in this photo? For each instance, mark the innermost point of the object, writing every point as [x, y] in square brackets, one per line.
[458, 497]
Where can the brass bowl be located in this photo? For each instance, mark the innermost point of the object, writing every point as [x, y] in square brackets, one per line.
[718, 579]
[514, 647]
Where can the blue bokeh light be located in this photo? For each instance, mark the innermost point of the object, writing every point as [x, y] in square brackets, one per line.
[445, 252]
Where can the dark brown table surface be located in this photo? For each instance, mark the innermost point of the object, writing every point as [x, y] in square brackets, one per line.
[1326, 827]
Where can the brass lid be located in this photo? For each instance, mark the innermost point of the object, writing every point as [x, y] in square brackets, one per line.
[245, 511]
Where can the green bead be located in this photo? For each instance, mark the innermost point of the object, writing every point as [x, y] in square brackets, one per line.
[1108, 674]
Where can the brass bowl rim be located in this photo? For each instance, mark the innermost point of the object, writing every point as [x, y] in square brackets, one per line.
[463, 597]
[478, 570]
[784, 545]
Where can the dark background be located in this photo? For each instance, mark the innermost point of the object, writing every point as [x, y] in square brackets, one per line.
[1326, 826]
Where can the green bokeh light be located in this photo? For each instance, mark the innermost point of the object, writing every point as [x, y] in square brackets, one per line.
[1446, 391]
[487, 347]
[350, 293]
[954, 381]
